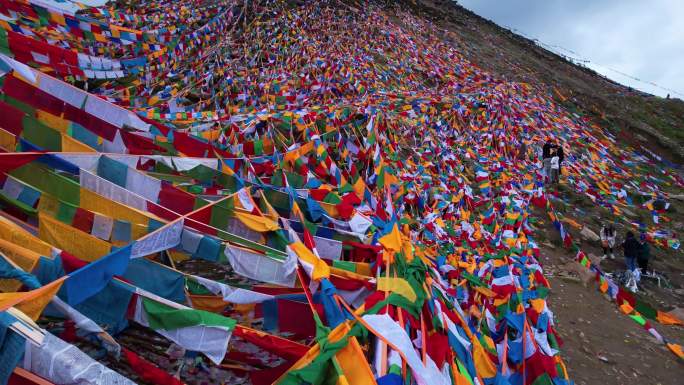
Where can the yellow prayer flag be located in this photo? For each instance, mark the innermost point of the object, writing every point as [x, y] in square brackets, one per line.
[177, 256]
[53, 121]
[100, 37]
[397, 285]
[538, 305]
[210, 303]
[487, 292]
[7, 140]
[58, 18]
[290, 156]
[98, 204]
[501, 301]
[350, 359]
[70, 144]
[392, 240]
[31, 302]
[329, 208]
[256, 223]
[318, 268]
[483, 364]
[361, 275]
[17, 235]
[296, 211]
[24, 258]
[408, 249]
[81, 244]
[355, 369]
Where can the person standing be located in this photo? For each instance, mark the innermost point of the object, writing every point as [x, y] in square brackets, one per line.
[561, 156]
[607, 235]
[546, 159]
[631, 249]
[555, 168]
[522, 150]
[644, 254]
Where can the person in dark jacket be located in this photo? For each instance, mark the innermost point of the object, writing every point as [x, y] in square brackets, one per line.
[546, 150]
[522, 150]
[644, 254]
[546, 159]
[561, 156]
[631, 249]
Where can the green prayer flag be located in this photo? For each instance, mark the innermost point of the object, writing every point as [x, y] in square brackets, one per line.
[65, 213]
[258, 147]
[332, 198]
[638, 319]
[47, 181]
[345, 265]
[544, 379]
[41, 135]
[645, 309]
[160, 316]
[220, 213]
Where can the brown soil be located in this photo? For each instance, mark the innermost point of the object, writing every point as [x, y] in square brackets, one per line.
[602, 345]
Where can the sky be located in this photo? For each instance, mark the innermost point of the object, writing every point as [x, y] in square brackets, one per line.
[640, 38]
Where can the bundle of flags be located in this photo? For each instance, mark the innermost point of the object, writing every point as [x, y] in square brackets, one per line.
[279, 195]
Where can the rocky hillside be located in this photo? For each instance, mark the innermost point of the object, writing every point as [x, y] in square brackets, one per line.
[602, 345]
[635, 117]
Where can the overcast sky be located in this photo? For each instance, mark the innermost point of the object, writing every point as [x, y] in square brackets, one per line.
[641, 38]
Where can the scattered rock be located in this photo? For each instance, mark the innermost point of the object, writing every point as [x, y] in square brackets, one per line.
[629, 212]
[605, 359]
[569, 278]
[589, 234]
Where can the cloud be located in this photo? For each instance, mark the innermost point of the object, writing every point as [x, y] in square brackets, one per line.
[641, 38]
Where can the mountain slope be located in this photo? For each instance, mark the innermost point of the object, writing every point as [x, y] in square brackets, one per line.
[312, 191]
[601, 345]
[635, 117]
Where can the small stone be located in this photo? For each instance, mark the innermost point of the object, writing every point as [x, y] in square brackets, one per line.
[589, 235]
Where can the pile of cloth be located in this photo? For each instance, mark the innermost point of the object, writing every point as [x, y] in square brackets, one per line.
[277, 193]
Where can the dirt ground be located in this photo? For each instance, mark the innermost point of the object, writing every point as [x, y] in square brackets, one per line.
[602, 345]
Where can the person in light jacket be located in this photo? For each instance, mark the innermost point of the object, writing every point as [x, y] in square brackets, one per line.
[607, 235]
